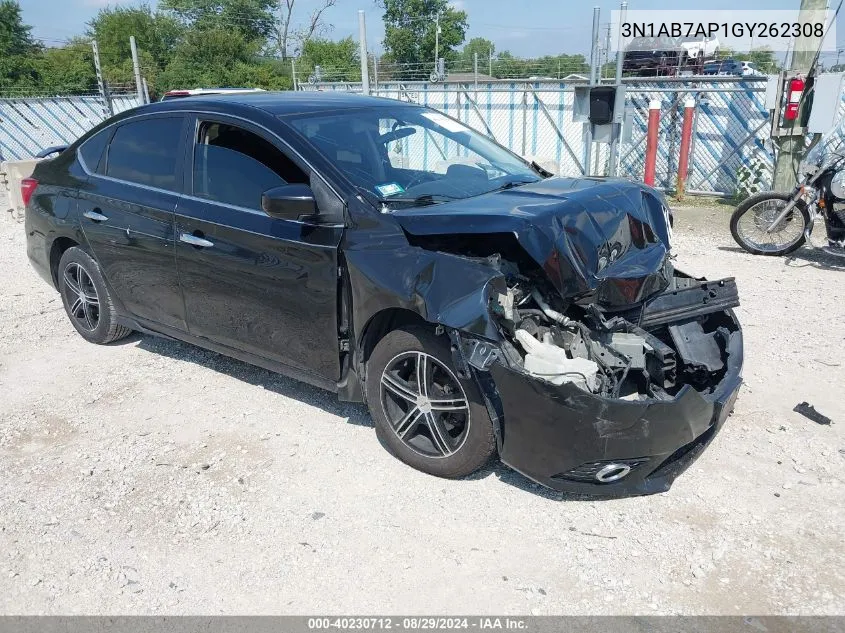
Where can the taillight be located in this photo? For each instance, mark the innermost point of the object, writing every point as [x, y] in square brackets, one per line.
[28, 186]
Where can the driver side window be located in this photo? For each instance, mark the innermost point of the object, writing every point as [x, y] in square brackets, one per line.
[235, 166]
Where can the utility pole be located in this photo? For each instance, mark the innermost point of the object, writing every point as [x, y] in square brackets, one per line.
[620, 55]
[437, 42]
[362, 37]
[790, 141]
[594, 55]
[491, 61]
[139, 87]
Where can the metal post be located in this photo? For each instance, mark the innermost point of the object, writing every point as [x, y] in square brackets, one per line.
[490, 60]
[651, 142]
[588, 127]
[620, 54]
[686, 140]
[146, 90]
[475, 71]
[138, 87]
[108, 110]
[293, 72]
[362, 37]
[790, 142]
[375, 72]
[594, 51]
[606, 50]
[436, 40]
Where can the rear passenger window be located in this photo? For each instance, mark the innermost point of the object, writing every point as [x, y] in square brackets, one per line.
[234, 166]
[146, 152]
[92, 149]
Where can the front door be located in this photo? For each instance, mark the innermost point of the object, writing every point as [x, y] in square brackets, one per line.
[126, 212]
[251, 282]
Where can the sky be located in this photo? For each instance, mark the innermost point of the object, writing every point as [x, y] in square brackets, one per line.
[526, 28]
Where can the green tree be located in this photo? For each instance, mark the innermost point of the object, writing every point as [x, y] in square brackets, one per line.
[17, 49]
[156, 34]
[338, 61]
[484, 48]
[410, 31]
[252, 20]
[68, 69]
[219, 57]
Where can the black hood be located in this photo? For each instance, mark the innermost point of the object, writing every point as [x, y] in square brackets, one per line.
[607, 238]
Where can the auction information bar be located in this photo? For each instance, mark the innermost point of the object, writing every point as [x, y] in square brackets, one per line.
[523, 624]
[743, 30]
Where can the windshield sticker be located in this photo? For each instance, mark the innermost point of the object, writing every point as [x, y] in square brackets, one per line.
[389, 189]
[445, 122]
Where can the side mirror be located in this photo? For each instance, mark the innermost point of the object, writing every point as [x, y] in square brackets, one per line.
[289, 202]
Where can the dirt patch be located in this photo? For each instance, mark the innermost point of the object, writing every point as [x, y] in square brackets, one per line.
[152, 477]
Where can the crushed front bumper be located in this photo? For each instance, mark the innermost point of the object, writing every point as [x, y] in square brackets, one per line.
[561, 436]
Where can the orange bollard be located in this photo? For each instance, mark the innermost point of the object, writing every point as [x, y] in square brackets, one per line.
[651, 142]
[686, 142]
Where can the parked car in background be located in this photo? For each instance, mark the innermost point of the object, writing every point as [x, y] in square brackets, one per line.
[749, 69]
[732, 67]
[475, 303]
[653, 56]
[699, 47]
[724, 67]
[196, 92]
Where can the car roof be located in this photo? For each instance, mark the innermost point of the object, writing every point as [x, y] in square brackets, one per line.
[280, 103]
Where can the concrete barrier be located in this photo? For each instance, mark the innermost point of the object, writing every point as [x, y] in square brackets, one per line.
[11, 174]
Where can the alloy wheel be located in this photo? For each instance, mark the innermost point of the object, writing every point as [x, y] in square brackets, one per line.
[83, 301]
[425, 404]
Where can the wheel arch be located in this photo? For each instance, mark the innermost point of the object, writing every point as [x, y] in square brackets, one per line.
[57, 249]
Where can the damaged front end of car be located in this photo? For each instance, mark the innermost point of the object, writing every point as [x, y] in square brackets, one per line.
[605, 370]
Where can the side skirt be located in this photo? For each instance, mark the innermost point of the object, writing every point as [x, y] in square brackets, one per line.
[156, 329]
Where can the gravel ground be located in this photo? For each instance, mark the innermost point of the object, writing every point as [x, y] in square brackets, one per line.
[154, 477]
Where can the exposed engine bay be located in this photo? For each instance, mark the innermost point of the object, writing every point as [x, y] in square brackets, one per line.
[650, 350]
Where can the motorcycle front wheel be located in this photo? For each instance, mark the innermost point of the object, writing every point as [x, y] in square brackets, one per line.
[751, 221]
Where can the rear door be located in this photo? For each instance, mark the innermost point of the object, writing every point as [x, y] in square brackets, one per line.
[126, 212]
[263, 285]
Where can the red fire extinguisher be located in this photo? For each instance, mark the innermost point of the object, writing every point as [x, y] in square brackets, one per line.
[793, 98]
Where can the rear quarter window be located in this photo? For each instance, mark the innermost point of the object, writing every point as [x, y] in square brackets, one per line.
[92, 150]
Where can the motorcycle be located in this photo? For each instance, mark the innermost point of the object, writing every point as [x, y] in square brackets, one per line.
[777, 223]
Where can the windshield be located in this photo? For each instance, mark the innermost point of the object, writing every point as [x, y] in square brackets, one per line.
[412, 154]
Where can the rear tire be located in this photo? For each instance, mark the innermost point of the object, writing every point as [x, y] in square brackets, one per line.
[87, 301]
[798, 213]
[445, 430]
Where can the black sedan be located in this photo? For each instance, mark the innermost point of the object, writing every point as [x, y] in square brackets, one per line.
[389, 253]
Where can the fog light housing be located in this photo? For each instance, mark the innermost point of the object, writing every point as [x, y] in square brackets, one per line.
[605, 472]
[613, 472]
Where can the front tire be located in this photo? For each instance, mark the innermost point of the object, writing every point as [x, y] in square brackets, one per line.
[753, 217]
[424, 413]
[87, 301]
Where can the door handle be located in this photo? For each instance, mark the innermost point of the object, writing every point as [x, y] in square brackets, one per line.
[95, 215]
[193, 240]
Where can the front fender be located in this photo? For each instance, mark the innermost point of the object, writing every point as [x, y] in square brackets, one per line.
[443, 289]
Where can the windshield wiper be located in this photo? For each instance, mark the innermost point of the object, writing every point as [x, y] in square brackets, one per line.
[545, 173]
[423, 200]
[512, 184]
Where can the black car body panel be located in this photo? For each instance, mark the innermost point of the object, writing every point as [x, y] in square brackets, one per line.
[587, 235]
[566, 431]
[307, 297]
